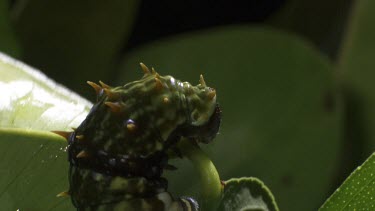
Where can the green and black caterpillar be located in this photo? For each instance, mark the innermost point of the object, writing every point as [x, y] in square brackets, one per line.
[118, 153]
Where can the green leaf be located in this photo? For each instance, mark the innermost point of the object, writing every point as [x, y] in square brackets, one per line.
[249, 194]
[74, 41]
[34, 169]
[33, 164]
[31, 100]
[357, 192]
[281, 114]
[8, 42]
[356, 68]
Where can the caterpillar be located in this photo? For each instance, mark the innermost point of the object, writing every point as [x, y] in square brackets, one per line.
[118, 154]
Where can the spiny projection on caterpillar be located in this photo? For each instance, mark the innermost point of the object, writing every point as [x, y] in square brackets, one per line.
[118, 153]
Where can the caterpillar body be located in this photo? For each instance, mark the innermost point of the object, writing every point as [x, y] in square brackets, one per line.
[118, 153]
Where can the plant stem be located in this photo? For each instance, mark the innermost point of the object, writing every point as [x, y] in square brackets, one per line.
[211, 187]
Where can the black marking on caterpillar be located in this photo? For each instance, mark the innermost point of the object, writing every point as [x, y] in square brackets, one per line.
[118, 153]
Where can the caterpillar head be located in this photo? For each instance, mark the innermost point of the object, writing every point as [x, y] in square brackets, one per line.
[204, 113]
[197, 104]
[201, 103]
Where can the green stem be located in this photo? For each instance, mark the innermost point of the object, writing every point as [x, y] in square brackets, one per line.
[212, 188]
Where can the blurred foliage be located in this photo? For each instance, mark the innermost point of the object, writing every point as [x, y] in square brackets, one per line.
[292, 117]
[356, 72]
[260, 88]
[322, 22]
[81, 39]
[8, 41]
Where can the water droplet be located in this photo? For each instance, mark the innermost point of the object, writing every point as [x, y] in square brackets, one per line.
[64, 149]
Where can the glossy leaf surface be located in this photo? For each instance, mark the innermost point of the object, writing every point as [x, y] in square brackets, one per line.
[357, 192]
